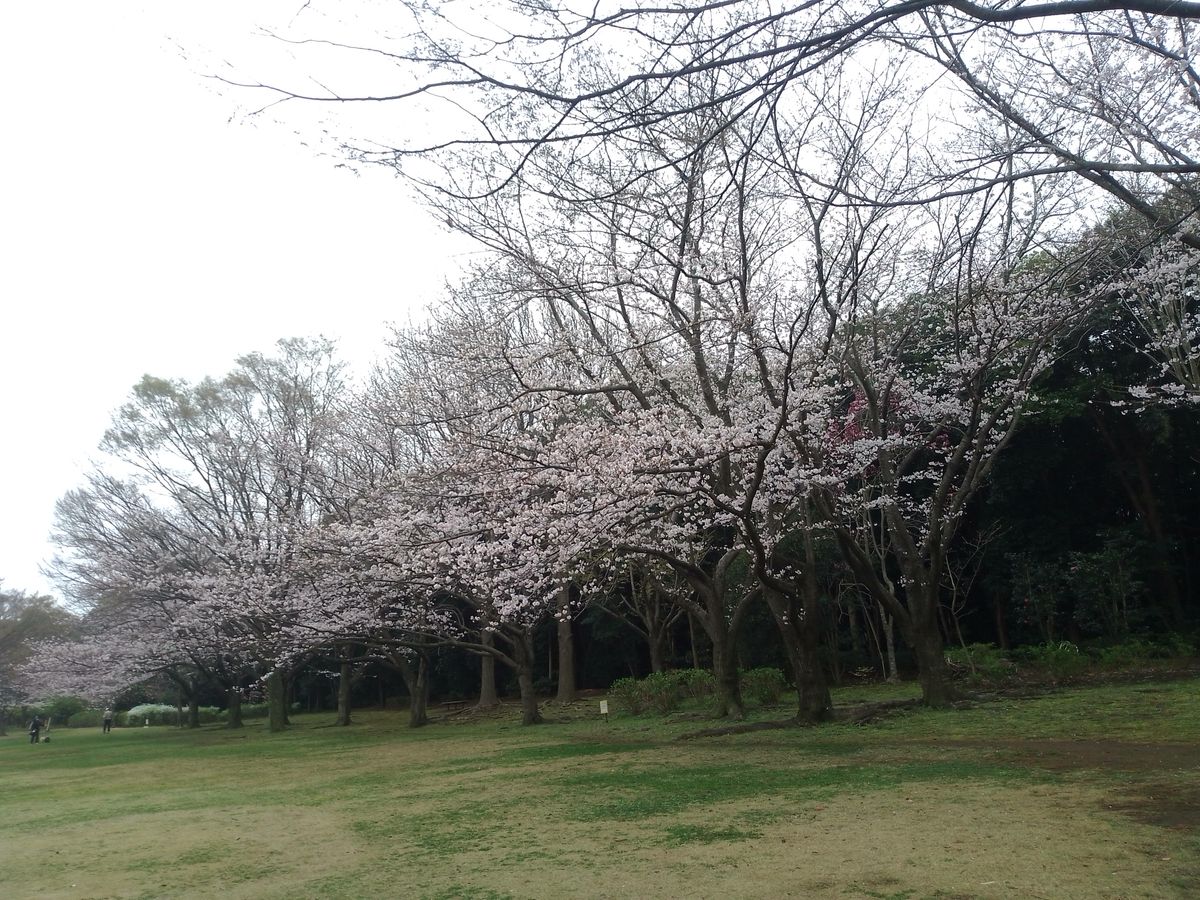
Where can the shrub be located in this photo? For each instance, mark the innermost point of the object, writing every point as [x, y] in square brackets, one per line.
[764, 685]
[61, 709]
[154, 713]
[251, 711]
[1134, 650]
[1176, 645]
[629, 694]
[980, 662]
[1125, 653]
[88, 718]
[1061, 658]
[695, 683]
[661, 691]
[165, 714]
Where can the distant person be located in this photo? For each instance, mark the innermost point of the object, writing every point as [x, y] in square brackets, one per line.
[35, 730]
[107, 720]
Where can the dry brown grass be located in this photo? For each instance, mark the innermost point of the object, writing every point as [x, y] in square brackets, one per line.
[581, 809]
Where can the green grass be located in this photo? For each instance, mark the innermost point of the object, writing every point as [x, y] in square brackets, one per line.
[917, 805]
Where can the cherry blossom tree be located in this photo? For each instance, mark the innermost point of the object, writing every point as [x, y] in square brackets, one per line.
[938, 385]
[227, 476]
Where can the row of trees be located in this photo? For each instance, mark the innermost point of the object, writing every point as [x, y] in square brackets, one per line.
[754, 324]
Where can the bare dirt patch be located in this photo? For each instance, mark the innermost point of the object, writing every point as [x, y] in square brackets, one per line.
[1105, 755]
[1166, 804]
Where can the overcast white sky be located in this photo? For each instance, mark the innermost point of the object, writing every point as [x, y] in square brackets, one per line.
[142, 231]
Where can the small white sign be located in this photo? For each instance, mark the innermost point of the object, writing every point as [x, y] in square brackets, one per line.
[604, 707]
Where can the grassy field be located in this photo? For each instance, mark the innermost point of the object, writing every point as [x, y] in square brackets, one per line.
[1087, 793]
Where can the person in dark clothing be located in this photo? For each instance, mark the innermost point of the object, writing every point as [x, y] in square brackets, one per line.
[108, 717]
[35, 730]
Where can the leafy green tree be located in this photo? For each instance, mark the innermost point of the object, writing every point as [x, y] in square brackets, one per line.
[25, 619]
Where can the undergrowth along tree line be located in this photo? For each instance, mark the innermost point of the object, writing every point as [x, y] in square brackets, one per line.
[751, 355]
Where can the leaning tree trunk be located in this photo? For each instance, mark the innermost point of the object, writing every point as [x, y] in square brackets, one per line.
[345, 683]
[487, 674]
[276, 701]
[234, 703]
[566, 648]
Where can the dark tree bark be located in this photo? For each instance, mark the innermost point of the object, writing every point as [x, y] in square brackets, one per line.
[1133, 474]
[797, 613]
[345, 683]
[566, 648]
[416, 682]
[418, 706]
[276, 701]
[188, 696]
[234, 705]
[656, 655]
[522, 644]
[692, 640]
[1000, 620]
[487, 674]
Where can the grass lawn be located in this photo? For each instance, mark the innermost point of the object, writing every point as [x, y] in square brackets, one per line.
[1087, 793]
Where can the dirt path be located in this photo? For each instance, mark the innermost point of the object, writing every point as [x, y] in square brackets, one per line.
[1162, 801]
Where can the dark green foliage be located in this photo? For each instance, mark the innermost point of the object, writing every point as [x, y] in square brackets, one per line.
[695, 683]
[764, 685]
[1056, 659]
[627, 692]
[661, 690]
[983, 663]
[61, 709]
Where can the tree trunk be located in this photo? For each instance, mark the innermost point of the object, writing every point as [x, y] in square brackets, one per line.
[234, 702]
[416, 682]
[487, 674]
[692, 639]
[418, 703]
[193, 716]
[887, 624]
[566, 648]
[799, 627]
[936, 690]
[725, 670]
[523, 656]
[289, 697]
[343, 694]
[856, 640]
[1000, 620]
[276, 701]
[925, 638]
[656, 652]
[1139, 489]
